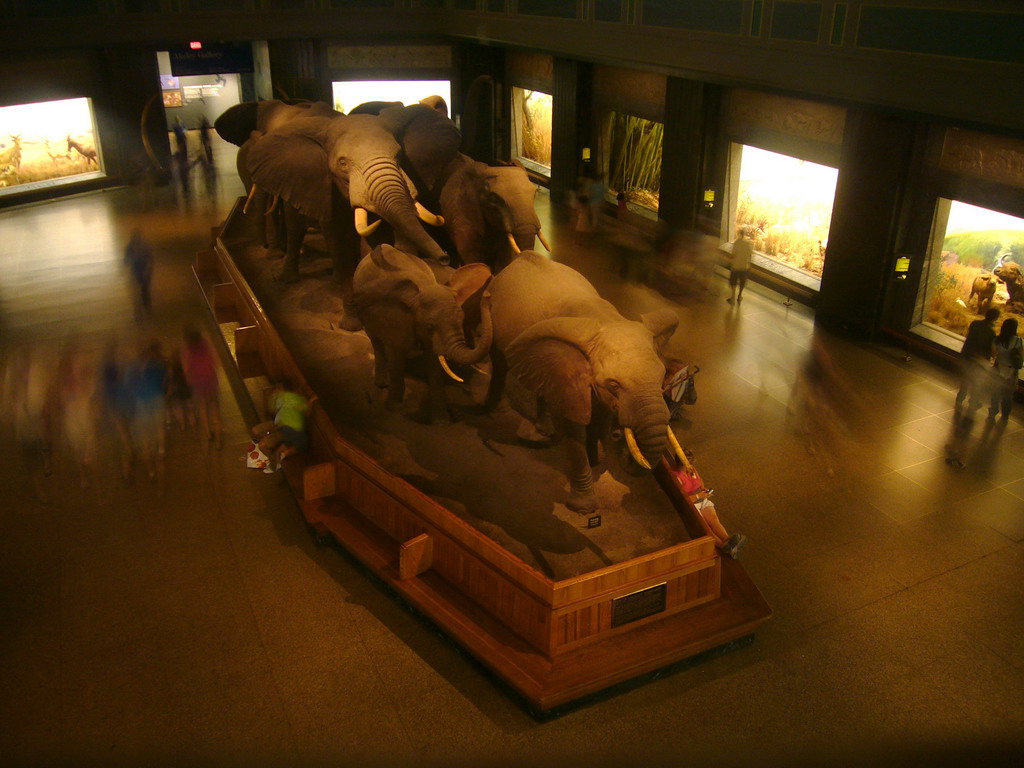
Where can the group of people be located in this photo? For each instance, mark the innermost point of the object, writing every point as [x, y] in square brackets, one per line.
[990, 366]
[72, 397]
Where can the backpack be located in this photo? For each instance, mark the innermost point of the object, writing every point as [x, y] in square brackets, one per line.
[1017, 355]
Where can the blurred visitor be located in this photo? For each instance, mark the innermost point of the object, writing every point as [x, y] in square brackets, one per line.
[78, 407]
[200, 364]
[742, 251]
[179, 394]
[286, 434]
[823, 406]
[181, 155]
[28, 400]
[975, 356]
[139, 258]
[1008, 359]
[118, 405]
[204, 139]
[147, 380]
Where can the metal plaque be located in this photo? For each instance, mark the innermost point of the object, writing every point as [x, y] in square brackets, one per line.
[638, 605]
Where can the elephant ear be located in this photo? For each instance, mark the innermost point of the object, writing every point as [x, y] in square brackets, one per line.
[235, 124]
[430, 141]
[467, 280]
[292, 162]
[662, 323]
[550, 358]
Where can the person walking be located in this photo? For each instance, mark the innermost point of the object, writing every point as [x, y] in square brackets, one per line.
[974, 363]
[200, 364]
[139, 258]
[742, 251]
[1008, 358]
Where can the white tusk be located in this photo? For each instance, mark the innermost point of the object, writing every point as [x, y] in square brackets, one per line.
[362, 227]
[273, 205]
[543, 241]
[428, 217]
[677, 449]
[512, 242]
[248, 200]
[449, 371]
[634, 450]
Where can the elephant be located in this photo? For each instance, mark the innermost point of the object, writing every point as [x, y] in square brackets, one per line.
[1009, 273]
[588, 364]
[489, 212]
[407, 304]
[335, 169]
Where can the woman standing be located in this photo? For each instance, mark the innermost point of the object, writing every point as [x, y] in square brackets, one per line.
[1008, 360]
[200, 364]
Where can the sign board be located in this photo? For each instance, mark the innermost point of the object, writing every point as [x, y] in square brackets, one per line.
[902, 264]
[211, 59]
[638, 605]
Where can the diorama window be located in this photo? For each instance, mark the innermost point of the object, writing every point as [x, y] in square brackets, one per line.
[47, 144]
[349, 94]
[969, 243]
[634, 159]
[785, 206]
[531, 129]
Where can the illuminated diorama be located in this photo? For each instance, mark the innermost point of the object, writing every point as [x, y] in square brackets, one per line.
[47, 144]
[531, 129]
[351, 93]
[784, 204]
[634, 159]
[974, 263]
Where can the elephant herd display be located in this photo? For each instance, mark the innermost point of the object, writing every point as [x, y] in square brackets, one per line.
[305, 164]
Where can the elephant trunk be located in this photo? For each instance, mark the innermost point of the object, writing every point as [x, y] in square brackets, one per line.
[388, 195]
[459, 352]
[647, 417]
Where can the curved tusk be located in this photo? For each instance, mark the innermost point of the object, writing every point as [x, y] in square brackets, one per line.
[427, 217]
[362, 226]
[677, 449]
[478, 369]
[248, 200]
[273, 205]
[543, 241]
[449, 371]
[634, 450]
[515, 246]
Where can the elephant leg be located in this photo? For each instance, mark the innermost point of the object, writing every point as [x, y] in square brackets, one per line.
[599, 423]
[274, 233]
[295, 233]
[395, 359]
[436, 403]
[380, 363]
[581, 482]
[496, 386]
[343, 244]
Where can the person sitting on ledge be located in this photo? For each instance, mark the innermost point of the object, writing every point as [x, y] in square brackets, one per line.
[691, 485]
[286, 434]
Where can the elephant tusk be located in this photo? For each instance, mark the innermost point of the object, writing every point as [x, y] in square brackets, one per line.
[449, 371]
[248, 200]
[634, 450]
[362, 227]
[478, 369]
[677, 449]
[543, 241]
[273, 205]
[427, 217]
[515, 246]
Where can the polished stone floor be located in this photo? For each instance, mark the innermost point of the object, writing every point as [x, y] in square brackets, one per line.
[196, 622]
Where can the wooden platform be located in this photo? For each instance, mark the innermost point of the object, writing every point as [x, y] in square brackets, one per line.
[552, 641]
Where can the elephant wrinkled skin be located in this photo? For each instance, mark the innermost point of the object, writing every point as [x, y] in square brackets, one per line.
[1011, 275]
[405, 307]
[586, 362]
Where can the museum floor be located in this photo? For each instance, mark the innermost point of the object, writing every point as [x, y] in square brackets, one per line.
[202, 625]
